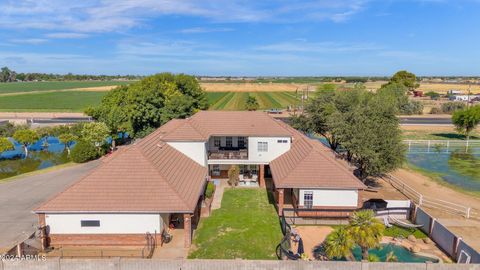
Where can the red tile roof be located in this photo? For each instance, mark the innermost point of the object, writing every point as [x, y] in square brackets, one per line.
[204, 124]
[151, 176]
[310, 164]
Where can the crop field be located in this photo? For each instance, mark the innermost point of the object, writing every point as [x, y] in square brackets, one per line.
[70, 101]
[18, 87]
[255, 87]
[236, 100]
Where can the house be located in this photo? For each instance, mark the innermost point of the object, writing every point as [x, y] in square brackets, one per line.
[467, 98]
[161, 179]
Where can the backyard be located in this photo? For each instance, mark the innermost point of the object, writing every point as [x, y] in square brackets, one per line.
[246, 226]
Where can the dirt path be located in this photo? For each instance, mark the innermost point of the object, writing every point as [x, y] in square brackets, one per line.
[430, 188]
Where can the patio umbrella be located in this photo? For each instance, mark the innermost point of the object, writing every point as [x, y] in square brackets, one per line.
[300, 249]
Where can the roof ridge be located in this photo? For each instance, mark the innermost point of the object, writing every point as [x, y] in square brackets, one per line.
[160, 174]
[300, 160]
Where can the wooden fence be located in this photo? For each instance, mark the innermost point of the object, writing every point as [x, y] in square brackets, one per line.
[429, 202]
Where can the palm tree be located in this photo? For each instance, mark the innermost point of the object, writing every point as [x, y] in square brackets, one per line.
[366, 230]
[339, 244]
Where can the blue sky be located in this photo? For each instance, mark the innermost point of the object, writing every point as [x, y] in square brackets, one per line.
[241, 37]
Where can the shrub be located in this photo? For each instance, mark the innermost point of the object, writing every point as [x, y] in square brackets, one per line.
[411, 107]
[436, 110]
[233, 175]
[433, 95]
[83, 152]
[209, 190]
[452, 106]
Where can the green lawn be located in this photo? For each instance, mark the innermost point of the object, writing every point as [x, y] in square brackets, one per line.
[396, 231]
[246, 226]
[17, 87]
[71, 101]
[436, 135]
[236, 100]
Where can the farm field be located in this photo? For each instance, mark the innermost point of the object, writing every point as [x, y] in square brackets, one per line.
[77, 101]
[19, 87]
[71, 101]
[236, 100]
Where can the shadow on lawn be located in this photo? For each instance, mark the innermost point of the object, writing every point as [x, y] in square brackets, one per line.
[454, 136]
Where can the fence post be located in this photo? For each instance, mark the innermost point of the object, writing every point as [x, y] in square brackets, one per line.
[456, 241]
[448, 146]
[428, 149]
[420, 200]
[468, 212]
[432, 222]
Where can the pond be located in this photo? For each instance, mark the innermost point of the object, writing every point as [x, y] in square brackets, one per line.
[46, 152]
[385, 250]
[451, 161]
[459, 168]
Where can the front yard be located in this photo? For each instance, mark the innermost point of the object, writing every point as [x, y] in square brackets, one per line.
[246, 226]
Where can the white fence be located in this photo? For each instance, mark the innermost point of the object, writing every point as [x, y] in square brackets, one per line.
[428, 202]
[441, 146]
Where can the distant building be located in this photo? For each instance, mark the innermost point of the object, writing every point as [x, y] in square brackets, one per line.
[464, 97]
[454, 92]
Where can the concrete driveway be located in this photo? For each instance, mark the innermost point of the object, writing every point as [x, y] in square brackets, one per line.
[20, 196]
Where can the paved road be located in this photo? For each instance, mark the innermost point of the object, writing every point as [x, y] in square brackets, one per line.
[425, 121]
[20, 196]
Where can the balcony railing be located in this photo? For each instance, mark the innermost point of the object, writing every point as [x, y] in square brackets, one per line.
[228, 154]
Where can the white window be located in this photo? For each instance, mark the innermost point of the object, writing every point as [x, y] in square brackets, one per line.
[229, 142]
[216, 141]
[216, 170]
[262, 147]
[308, 199]
[242, 142]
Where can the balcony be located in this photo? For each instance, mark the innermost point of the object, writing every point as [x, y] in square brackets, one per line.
[224, 153]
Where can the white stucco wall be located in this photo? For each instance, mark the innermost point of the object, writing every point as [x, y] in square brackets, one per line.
[194, 150]
[109, 223]
[275, 149]
[331, 197]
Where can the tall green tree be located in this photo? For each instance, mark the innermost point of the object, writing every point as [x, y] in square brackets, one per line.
[142, 107]
[5, 144]
[370, 133]
[252, 103]
[339, 244]
[466, 120]
[408, 79]
[95, 133]
[26, 137]
[319, 115]
[366, 230]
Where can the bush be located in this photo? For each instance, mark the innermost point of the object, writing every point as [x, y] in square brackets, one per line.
[83, 152]
[433, 95]
[411, 107]
[452, 106]
[210, 189]
[436, 110]
[396, 231]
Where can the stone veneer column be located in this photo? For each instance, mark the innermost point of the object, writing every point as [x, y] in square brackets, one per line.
[187, 225]
[262, 176]
[280, 201]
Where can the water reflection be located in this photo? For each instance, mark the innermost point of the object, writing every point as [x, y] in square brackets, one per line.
[45, 153]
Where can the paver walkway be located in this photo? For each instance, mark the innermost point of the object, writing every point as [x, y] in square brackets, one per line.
[218, 195]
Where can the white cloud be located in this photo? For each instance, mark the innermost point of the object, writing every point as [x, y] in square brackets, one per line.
[118, 15]
[318, 47]
[199, 30]
[66, 35]
[32, 41]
